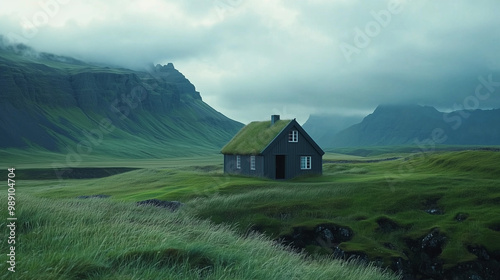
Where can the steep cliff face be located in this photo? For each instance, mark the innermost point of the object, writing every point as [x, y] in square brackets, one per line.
[172, 76]
[46, 102]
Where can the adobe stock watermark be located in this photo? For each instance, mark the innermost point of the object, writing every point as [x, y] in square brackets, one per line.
[11, 209]
[223, 7]
[363, 37]
[485, 87]
[483, 91]
[47, 10]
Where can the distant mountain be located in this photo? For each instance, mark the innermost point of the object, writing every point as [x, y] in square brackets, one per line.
[63, 105]
[413, 124]
[322, 128]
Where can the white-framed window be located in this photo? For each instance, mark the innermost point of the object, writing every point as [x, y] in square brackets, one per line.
[252, 162]
[305, 162]
[238, 162]
[293, 136]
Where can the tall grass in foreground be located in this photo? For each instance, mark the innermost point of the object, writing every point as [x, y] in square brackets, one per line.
[102, 239]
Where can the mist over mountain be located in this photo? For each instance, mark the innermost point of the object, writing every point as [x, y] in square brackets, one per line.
[324, 127]
[63, 105]
[415, 125]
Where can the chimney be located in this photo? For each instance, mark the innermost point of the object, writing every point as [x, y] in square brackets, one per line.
[274, 119]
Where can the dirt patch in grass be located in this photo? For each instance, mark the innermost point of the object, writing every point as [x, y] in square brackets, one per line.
[431, 205]
[386, 225]
[495, 227]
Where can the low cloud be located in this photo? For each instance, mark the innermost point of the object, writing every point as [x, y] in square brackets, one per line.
[250, 59]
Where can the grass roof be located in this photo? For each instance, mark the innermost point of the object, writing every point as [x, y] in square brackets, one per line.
[254, 138]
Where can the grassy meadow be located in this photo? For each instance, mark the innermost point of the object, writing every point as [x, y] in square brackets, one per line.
[212, 237]
[99, 239]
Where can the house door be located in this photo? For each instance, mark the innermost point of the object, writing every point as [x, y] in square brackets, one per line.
[280, 167]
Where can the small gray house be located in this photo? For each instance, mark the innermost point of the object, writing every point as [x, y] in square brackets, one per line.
[276, 149]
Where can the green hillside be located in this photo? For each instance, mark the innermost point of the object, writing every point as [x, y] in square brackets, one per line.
[53, 105]
[424, 214]
[99, 239]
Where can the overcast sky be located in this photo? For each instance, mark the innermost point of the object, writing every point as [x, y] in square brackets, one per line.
[251, 59]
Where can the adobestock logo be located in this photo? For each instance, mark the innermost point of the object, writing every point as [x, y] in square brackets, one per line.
[48, 10]
[484, 88]
[224, 6]
[483, 91]
[363, 37]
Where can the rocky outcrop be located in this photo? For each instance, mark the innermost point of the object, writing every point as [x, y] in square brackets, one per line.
[423, 261]
[486, 267]
[172, 76]
[421, 256]
[323, 235]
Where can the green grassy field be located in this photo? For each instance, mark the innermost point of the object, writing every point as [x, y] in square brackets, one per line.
[62, 237]
[98, 239]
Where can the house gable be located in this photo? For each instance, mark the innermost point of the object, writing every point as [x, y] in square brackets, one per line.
[293, 125]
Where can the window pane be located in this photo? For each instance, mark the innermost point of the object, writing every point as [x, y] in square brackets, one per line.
[305, 162]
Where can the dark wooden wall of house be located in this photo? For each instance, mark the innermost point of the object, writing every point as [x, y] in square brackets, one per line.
[230, 165]
[293, 152]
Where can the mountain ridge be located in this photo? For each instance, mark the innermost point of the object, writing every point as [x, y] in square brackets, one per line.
[53, 103]
[413, 124]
